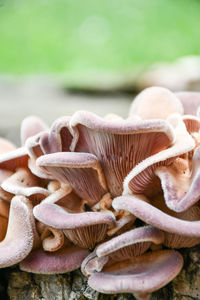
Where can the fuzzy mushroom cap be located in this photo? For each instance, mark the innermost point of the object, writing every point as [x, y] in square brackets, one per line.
[142, 178]
[112, 143]
[59, 137]
[157, 218]
[23, 182]
[62, 261]
[81, 170]
[155, 103]
[83, 229]
[131, 243]
[19, 238]
[14, 159]
[180, 184]
[140, 275]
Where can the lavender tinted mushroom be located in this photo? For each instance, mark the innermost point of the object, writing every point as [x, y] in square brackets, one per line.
[19, 238]
[115, 143]
[186, 226]
[140, 275]
[84, 229]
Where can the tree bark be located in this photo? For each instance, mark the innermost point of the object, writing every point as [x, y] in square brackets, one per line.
[73, 286]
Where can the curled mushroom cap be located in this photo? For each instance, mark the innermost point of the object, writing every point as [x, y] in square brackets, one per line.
[142, 178]
[84, 229]
[35, 149]
[179, 184]
[31, 126]
[116, 144]
[155, 217]
[131, 243]
[23, 182]
[156, 102]
[14, 159]
[19, 238]
[81, 170]
[141, 275]
[192, 123]
[59, 137]
[190, 101]
[62, 261]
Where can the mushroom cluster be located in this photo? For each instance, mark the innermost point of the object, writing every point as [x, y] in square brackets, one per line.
[113, 196]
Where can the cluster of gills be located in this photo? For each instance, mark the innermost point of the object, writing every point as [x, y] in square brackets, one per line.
[116, 197]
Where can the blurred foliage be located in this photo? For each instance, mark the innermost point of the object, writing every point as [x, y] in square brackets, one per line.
[80, 35]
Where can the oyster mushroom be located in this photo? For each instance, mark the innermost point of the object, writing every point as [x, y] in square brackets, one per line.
[116, 144]
[81, 170]
[83, 229]
[142, 178]
[184, 229]
[139, 275]
[19, 238]
[180, 185]
[62, 261]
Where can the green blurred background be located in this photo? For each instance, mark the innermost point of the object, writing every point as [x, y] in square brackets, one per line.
[80, 36]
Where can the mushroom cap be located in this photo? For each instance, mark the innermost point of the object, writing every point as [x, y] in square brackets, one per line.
[140, 275]
[14, 159]
[156, 103]
[31, 126]
[138, 240]
[116, 144]
[180, 185]
[23, 182]
[56, 217]
[83, 229]
[59, 137]
[81, 170]
[155, 217]
[19, 238]
[142, 178]
[61, 261]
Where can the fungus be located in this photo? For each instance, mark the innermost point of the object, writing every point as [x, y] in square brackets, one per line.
[83, 229]
[157, 217]
[19, 238]
[116, 144]
[87, 180]
[140, 275]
